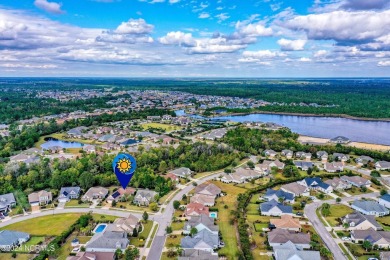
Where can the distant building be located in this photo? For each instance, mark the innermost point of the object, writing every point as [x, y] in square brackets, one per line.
[340, 140]
[7, 201]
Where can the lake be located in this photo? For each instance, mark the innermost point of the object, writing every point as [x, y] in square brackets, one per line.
[64, 144]
[375, 132]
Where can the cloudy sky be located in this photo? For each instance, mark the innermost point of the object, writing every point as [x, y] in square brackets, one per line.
[195, 38]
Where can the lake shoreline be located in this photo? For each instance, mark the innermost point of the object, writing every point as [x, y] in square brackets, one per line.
[325, 141]
[305, 115]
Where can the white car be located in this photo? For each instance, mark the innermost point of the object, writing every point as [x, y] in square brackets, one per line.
[345, 238]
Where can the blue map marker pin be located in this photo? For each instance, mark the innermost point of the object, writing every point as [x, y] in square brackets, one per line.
[124, 166]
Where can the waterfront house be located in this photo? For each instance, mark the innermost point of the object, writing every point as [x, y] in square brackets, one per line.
[369, 207]
[340, 140]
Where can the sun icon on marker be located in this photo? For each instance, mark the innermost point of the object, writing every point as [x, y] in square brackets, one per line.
[124, 165]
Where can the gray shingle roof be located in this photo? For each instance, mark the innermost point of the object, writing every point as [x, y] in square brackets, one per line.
[6, 200]
[204, 236]
[369, 205]
[267, 206]
[10, 238]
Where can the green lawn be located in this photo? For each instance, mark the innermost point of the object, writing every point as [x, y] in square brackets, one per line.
[52, 225]
[385, 222]
[227, 230]
[177, 225]
[259, 226]
[165, 127]
[253, 209]
[152, 236]
[75, 204]
[103, 218]
[129, 206]
[337, 211]
[8, 256]
[173, 240]
[140, 240]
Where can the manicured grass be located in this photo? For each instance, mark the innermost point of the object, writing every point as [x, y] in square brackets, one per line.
[253, 209]
[259, 226]
[356, 191]
[140, 240]
[129, 206]
[164, 198]
[258, 218]
[165, 127]
[75, 204]
[173, 240]
[152, 236]
[177, 225]
[103, 218]
[52, 225]
[385, 222]
[345, 251]
[337, 211]
[227, 230]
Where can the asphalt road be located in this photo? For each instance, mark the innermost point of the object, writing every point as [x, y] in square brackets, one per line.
[310, 213]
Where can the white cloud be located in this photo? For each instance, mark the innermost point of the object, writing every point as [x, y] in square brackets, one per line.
[222, 17]
[174, 1]
[253, 29]
[304, 59]
[134, 26]
[178, 38]
[320, 53]
[262, 54]
[204, 15]
[50, 7]
[384, 63]
[292, 45]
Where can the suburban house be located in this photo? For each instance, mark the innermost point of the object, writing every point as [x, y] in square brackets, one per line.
[270, 153]
[144, 197]
[334, 167]
[9, 239]
[125, 224]
[379, 238]
[205, 200]
[240, 175]
[316, 183]
[278, 237]
[196, 209]
[322, 155]
[204, 240]
[107, 241]
[303, 165]
[266, 166]
[385, 200]
[382, 165]
[77, 132]
[195, 254]
[200, 222]
[89, 148]
[288, 251]
[95, 193]
[181, 172]
[338, 184]
[92, 256]
[68, 193]
[287, 153]
[384, 255]
[172, 177]
[26, 158]
[7, 201]
[362, 160]
[120, 193]
[369, 207]
[340, 157]
[286, 222]
[208, 189]
[274, 208]
[272, 194]
[358, 221]
[296, 189]
[340, 140]
[40, 198]
[303, 155]
[356, 181]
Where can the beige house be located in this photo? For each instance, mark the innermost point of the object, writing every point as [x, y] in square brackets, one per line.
[286, 222]
[358, 221]
[40, 198]
[95, 193]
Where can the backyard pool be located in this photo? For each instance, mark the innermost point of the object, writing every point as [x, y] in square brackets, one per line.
[100, 228]
[213, 215]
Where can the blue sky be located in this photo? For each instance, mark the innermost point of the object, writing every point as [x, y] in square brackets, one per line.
[176, 38]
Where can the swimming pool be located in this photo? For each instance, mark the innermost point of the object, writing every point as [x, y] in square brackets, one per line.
[100, 228]
[213, 214]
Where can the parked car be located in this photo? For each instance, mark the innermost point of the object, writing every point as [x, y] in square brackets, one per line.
[299, 214]
[345, 238]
